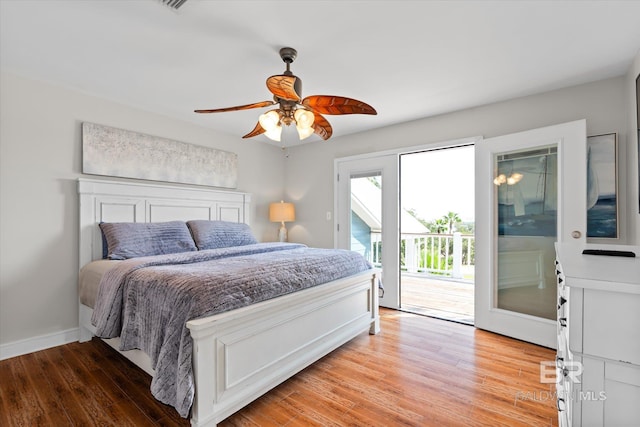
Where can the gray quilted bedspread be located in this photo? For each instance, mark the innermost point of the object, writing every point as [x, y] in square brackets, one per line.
[147, 301]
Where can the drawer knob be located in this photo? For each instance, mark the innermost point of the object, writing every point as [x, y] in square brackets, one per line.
[560, 407]
[561, 302]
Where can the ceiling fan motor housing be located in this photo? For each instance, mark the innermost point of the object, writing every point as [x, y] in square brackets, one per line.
[288, 54]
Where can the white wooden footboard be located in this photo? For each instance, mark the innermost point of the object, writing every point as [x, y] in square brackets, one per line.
[241, 354]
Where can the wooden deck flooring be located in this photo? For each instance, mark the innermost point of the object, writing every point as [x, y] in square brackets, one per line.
[442, 298]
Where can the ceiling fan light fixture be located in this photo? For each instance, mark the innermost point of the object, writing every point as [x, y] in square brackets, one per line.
[306, 113]
[304, 133]
[274, 134]
[304, 122]
[304, 118]
[270, 122]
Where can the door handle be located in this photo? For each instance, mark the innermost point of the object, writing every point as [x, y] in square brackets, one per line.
[576, 234]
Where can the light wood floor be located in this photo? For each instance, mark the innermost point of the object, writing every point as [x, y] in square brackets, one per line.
[442, 298]
[453, 300]
[418, 371]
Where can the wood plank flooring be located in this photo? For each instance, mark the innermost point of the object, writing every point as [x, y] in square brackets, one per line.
[453, 300]
[418, 371]
[442, 298]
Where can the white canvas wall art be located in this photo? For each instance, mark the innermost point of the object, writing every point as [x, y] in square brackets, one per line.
[116, 152]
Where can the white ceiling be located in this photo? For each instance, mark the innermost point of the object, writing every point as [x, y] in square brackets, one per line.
[408, 59]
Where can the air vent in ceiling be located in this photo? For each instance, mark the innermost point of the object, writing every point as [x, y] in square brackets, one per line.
[174, 4]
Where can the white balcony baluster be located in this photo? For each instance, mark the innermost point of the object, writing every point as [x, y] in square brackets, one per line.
[447, 255]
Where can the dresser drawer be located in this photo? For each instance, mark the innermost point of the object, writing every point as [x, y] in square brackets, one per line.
[622, 385]
[611, 321]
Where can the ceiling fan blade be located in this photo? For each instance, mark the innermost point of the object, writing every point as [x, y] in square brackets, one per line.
[321, 127]
[239, 107]
[285, 87]
[326, 104]
[258, 130]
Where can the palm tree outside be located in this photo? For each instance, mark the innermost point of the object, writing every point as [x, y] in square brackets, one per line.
[438, 226]
[452, 219]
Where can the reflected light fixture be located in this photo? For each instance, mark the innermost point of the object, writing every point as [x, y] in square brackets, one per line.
[282, 212]
[512, 179]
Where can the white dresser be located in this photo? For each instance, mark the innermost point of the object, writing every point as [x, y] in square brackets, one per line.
[598, 358]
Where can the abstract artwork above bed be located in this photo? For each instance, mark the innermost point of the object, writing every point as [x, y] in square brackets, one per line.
[116, 152]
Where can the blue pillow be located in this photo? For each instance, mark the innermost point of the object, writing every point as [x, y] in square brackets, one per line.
[220, 234]
[105, 247]
[136, 239]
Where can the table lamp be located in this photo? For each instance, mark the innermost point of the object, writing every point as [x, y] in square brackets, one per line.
[282, 212]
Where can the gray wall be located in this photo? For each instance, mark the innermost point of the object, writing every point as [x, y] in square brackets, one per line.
[309, 167]
[40, 155]
[40, 160]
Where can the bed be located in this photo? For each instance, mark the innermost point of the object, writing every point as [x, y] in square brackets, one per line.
[241, 353]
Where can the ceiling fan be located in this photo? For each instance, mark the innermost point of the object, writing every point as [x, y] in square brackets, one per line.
[306, 113]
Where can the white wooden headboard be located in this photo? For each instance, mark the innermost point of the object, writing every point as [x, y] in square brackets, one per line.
[121, 201]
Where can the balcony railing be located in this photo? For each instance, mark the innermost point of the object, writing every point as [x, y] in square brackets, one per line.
[448, 255]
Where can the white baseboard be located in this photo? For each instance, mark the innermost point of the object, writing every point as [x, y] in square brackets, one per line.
[42, 342]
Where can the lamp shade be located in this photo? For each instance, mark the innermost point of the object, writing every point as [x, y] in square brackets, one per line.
[270, 122]
[304, 133]
[304, 118]
[282, 212]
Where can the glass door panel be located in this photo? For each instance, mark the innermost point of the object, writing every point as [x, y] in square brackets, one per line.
[366, 217]
[527, 210]
[366, 207]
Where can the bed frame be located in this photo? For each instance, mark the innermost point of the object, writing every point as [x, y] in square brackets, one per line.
[240, 354]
